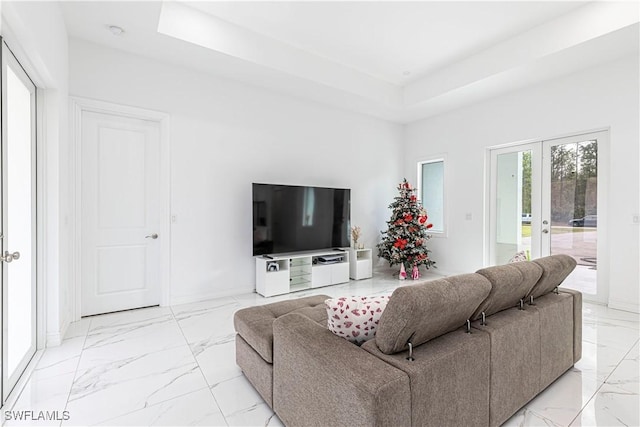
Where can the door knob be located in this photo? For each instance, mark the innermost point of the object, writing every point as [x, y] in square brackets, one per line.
[8, 256]
[151, 236]
[545, 231]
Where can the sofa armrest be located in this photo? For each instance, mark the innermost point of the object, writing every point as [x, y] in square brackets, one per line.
[321, 379]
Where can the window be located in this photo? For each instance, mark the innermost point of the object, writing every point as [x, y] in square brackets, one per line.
[431, 192]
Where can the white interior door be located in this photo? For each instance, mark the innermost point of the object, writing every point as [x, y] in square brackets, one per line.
[18, 213]
[120, 225]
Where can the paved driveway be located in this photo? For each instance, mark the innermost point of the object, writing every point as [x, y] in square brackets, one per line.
[580, 245]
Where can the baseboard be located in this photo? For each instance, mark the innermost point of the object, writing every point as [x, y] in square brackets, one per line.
[54, 339]
[64, 328]
[624, 306]
[188, 299]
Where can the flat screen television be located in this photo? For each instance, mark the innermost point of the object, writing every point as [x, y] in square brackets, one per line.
[289, 218]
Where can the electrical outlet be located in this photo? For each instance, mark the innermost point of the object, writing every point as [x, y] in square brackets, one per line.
[635, 219]
[468, 216]
[174, 219]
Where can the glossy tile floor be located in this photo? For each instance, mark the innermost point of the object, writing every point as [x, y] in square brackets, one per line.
[176, 366]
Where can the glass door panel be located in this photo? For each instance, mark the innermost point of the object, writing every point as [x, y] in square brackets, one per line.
[514, 201]
[18, 221]
[571, 208]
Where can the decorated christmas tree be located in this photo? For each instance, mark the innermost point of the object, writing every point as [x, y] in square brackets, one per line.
[405, 241]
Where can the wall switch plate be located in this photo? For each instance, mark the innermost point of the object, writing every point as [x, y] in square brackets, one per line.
[174, 218]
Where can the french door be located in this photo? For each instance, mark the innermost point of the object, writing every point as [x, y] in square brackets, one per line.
[18, 220]
[544, 200]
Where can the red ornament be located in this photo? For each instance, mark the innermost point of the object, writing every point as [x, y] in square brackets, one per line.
[400, 243]
[413, 198]
[429, 226]
[422, 219]
[408, 218]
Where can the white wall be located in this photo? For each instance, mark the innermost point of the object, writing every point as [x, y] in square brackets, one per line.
[35, 31]
[606, 96]
[226, 135]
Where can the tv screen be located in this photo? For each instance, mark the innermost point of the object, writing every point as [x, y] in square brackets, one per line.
[289, 218]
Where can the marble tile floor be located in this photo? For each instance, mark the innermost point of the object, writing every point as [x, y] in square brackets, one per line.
[176, 366]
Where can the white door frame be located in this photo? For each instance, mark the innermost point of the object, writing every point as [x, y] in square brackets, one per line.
[77, 107]
[45, 90]
[536, 196]
[11, 380]
[603, 195]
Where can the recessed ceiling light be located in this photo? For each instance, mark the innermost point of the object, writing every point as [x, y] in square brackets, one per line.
[406, 73]
[115, 30]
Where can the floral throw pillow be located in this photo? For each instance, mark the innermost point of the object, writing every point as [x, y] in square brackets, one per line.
[519, 256]
[355, 318]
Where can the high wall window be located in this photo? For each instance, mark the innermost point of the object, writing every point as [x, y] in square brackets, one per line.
[431, 180]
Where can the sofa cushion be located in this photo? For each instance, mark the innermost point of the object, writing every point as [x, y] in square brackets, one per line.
[509, 284]
[514, 361]
[555, 269]
[556, 335]
[420, 313]
[449, 378]
[255, 369]
[577, 322]
[255, 324]
[355, 318]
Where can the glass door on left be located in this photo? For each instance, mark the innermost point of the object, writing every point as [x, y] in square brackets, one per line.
[514, 203]
[18, 220]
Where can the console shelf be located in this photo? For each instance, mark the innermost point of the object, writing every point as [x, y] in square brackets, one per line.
[361, 265]
[284, 273]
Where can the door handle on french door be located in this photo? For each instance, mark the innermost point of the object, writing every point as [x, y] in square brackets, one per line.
[8, 256]
[545, 231]
[152, 236]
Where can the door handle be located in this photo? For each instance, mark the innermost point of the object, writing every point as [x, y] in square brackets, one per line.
[151, 236]
[545, 231]
[8, 256]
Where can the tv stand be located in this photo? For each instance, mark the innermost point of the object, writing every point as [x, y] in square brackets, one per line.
[284, 273]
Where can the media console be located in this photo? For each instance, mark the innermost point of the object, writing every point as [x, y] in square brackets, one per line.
[284, 273]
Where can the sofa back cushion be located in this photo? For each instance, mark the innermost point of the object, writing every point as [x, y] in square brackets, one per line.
[422, 312]
[555, 269]
[509, 284]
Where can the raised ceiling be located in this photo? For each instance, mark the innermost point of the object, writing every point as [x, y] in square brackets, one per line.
[387, 39]
[400, 61]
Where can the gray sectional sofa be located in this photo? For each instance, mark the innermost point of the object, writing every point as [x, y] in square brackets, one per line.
[483, 345]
